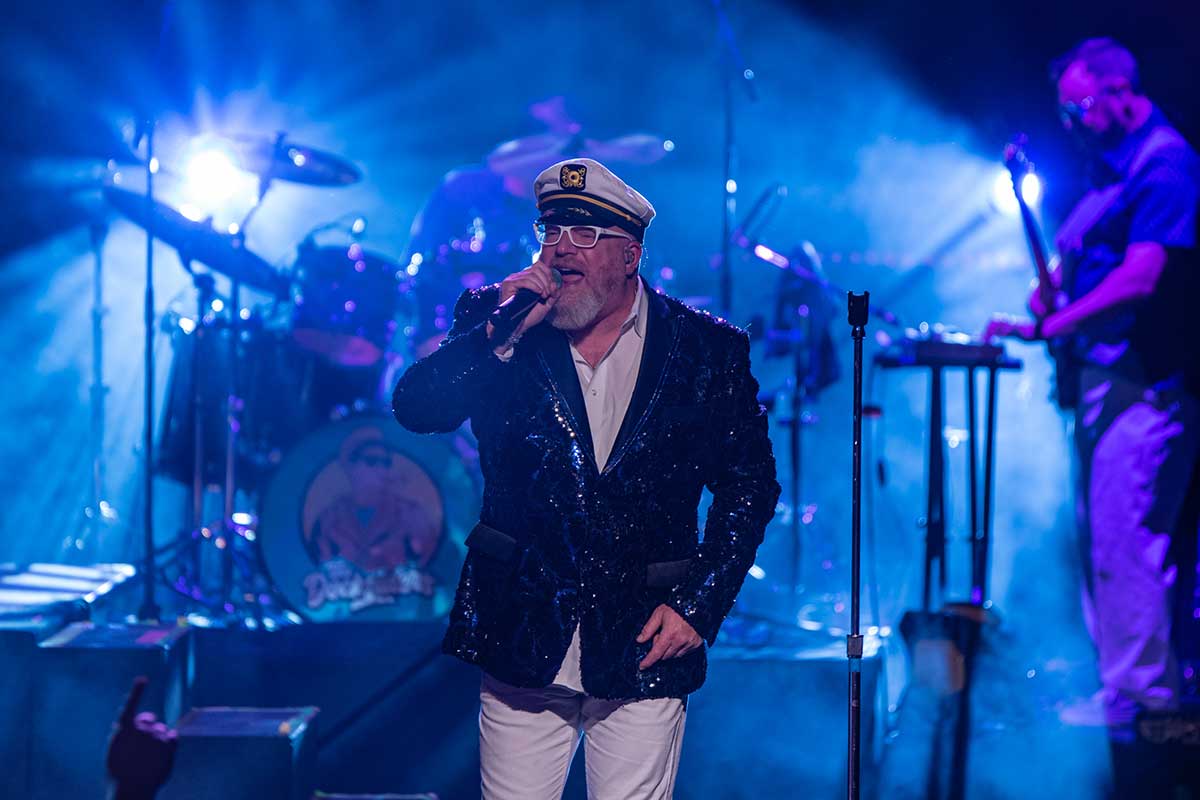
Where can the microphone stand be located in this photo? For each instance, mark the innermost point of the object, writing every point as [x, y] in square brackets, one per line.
[858, 312]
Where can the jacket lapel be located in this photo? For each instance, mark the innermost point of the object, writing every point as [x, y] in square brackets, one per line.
[660, 341]
[554, 355]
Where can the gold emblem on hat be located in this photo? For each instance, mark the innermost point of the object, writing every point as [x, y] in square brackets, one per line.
[573, 176]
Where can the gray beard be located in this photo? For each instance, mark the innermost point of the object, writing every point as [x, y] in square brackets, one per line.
[583, 310]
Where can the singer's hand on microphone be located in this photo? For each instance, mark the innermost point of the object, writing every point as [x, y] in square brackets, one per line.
[536, 277]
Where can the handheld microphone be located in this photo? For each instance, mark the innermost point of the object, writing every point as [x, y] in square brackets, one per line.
[508, 315]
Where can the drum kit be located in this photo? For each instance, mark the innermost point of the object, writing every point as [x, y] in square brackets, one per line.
[329, 510]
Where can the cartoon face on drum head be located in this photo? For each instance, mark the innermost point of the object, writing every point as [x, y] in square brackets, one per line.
[371, 536]
[372, 507]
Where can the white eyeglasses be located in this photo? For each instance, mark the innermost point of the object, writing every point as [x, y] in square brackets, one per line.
[584, 236]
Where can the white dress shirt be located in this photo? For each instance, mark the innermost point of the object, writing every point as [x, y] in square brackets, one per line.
[607, 390]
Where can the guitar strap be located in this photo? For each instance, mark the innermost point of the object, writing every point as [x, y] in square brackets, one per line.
[1092, 207]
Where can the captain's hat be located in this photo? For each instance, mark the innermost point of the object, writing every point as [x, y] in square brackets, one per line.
[582, 191]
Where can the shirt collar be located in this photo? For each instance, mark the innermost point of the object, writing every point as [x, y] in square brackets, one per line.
[637, 312]
[636, 320]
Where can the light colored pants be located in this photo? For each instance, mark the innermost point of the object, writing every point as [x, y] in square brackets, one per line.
[1137, 451]
[527, 738]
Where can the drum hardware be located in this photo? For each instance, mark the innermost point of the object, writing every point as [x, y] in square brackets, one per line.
[99, 514]
[199, 242]
[278, 385]
[279, 159]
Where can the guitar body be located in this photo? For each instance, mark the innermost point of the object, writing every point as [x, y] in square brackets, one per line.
[1066, 372]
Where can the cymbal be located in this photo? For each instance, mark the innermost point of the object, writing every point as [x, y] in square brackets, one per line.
[518, 156]
[634, 148]
[287, 161]
[197, 241]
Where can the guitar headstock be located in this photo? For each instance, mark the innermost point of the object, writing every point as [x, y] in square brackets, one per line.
[1015, 158]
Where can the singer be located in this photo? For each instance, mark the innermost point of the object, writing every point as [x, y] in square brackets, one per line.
[602, 409]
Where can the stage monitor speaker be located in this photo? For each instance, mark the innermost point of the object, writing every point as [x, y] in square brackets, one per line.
[19, 639]
[82, 676]
[244, 754]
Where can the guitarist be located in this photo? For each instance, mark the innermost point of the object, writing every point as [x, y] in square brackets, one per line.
[1121, 296]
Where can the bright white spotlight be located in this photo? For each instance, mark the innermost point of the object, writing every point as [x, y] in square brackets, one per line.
[1031, 189]
[212, 179]
[1004, 199]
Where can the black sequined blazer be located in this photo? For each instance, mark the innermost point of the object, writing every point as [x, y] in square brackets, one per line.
[560, 543]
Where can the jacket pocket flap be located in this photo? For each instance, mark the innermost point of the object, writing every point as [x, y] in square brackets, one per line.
[491, 542]
[665, 574]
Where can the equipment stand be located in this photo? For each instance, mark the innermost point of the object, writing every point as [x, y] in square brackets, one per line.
[858, 306]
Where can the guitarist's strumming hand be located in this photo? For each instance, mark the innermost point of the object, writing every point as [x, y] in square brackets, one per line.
[1038, 298]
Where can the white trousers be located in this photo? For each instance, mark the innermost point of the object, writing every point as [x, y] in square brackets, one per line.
[527, 738]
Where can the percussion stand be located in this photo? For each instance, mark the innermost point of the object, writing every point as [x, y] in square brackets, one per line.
[190, 582]
[204, 283]
[229, 530]
[264, 184]
[98, 512]
[795, 485]
[149, 609]
[233, 425]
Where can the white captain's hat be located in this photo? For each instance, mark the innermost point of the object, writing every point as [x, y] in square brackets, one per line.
[582, 191]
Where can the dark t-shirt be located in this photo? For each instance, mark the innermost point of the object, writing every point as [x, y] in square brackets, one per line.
[1152, 197]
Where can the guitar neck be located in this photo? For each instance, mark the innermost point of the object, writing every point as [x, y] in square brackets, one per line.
[1033, 235]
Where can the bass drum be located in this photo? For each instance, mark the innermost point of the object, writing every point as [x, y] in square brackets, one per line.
[366, 521]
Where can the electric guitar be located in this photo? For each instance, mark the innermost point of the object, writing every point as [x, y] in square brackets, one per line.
[1066, 365]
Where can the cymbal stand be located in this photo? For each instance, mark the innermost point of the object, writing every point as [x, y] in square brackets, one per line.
[233, 425]
[795, 484]
[264, 184]
[149, 609]
[99, 513]
[730, 59]
[205, 293]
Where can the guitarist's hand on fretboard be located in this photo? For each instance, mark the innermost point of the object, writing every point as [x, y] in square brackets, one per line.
[1005, 325]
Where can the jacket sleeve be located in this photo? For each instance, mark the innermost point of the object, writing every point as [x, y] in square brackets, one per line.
[742, 481]
[439, 392]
